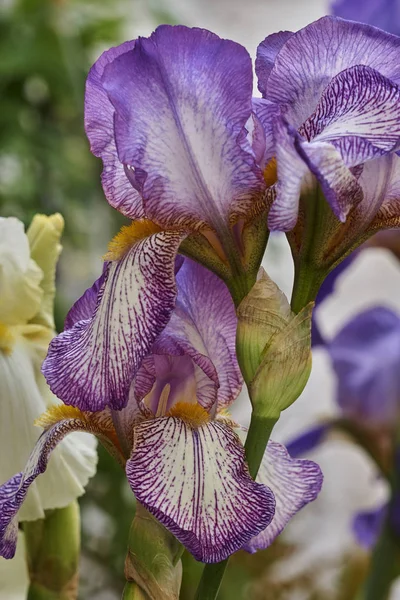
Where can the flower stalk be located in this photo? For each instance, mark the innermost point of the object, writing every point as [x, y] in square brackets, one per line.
[52, 552]
[153, 568]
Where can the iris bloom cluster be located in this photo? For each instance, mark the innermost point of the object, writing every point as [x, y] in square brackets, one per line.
[147, 358]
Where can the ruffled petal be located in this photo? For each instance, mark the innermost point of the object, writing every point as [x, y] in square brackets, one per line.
[20, 276]
[300, 74]
[99, 125]
[24, 397]
[359, 113]
[294, 483]
[92, 365]
[14, 491]
[182, 99]
[195, 481]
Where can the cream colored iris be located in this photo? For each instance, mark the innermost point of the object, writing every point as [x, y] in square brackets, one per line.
[27, 289]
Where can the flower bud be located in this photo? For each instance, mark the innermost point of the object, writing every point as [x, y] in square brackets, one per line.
[274, 347]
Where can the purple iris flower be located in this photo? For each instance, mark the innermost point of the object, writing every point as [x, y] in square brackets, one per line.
[181, 451]
[333, 91]
[384, 14]
[366, 358]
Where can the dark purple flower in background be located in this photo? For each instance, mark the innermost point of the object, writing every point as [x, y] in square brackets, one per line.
[384, 14]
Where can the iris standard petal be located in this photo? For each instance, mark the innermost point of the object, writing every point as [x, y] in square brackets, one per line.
[93, 364]
[266, 55]
[359, 113]
[366, 357]
[182, 98]
[14, 491]
[99, 125]
[300, 74]
[195, 481]
[294, 482]
[204, 323]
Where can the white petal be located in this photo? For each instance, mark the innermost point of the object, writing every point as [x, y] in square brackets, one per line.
[20, 293]
[21, 401]
[14, 579]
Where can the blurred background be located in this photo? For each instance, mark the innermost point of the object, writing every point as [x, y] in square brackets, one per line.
[46, 50]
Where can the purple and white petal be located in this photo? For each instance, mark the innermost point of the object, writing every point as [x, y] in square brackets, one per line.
[93, 364]
[340, 187]
[182, 99]
[300, 73]
[13, 492]
[263, 142]
[195, 482]
[359, 113]
[294, 482]
[291, 170]
[204, 324]
[99, 125]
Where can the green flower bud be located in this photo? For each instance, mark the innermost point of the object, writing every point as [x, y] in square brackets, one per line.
[274, 348]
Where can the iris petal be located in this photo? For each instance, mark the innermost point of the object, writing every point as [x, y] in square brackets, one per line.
[195, 481]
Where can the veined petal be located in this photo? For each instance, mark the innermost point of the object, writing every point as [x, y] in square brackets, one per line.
[20, 276]
[204, 324]
[265, 114]
[266, 55]
[14, 491]
[23, 399]
[182, 99]
[195, 481]
[99, 125]
[291, 170]
[340, 187]
[297, 160]
[294, 482]
[359, 113]
[92, 365]
[300, 74]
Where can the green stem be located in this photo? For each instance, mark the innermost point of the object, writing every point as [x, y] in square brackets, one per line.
[257, 439]
[384, 566]
[306, 285]
[52, 552]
